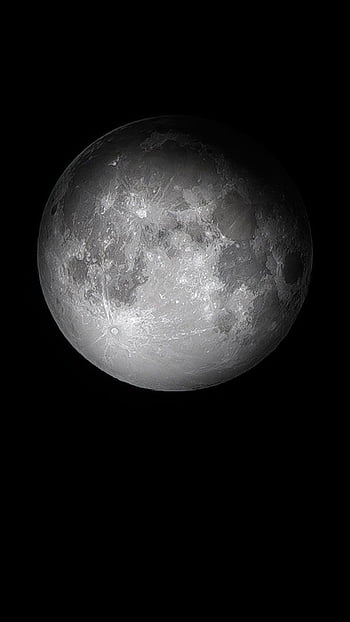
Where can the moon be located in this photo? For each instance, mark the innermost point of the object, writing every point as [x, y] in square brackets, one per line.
[174, 253]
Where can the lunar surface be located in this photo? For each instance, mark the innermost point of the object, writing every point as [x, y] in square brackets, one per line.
[174, 253]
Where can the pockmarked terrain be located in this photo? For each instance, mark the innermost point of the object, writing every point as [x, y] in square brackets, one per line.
[174, 253]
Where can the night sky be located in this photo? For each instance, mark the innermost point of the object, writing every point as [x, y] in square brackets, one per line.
[170, 496]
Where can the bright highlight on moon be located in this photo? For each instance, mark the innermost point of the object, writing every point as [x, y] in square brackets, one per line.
[174, 254]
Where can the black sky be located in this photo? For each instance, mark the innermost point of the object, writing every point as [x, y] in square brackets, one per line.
[241, 485]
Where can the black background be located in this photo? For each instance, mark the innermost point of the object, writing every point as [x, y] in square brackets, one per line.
[225, 501]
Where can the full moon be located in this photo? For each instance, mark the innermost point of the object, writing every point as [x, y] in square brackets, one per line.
[174, 253]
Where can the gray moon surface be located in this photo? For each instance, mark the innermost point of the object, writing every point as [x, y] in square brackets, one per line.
[174, 253]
